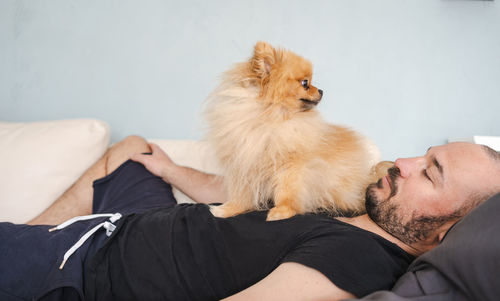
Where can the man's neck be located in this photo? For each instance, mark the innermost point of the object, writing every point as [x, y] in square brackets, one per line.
[366, 223]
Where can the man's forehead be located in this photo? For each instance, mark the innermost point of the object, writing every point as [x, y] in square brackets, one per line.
[457, 150]
[466, 162]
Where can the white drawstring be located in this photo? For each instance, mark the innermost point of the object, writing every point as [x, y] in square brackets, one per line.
[108, 225]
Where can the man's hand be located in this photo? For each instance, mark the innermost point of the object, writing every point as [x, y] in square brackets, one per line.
[158, 163]
[199, 186]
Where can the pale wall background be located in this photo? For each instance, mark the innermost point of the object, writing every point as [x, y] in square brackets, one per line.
[407, 73]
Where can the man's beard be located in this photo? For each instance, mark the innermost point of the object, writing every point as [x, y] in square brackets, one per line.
[389, 216]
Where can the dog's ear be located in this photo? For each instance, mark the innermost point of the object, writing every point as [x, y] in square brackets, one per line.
[264, 57]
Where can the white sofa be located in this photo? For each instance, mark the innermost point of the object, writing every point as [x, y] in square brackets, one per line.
[40, 160]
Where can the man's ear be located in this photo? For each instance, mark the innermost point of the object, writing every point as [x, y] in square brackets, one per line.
[441, 236]
[264, 57]
[445, 230]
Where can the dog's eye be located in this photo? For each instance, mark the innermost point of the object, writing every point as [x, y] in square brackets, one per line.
[305, 84]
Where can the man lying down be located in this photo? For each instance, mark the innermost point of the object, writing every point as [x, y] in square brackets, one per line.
[139, 245]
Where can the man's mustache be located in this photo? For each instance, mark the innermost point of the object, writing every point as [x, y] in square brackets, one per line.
[393, 174]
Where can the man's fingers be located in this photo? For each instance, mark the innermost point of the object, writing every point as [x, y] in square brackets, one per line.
[154, 147]
[141, 158]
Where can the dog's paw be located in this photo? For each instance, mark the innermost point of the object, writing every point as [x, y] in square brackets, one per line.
[380, 170]
[218, 211]
[280, 212]
[226, 210]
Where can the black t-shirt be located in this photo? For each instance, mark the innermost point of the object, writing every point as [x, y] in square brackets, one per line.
[185, 253]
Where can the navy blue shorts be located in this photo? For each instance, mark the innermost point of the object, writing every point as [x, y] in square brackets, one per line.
[30, 255]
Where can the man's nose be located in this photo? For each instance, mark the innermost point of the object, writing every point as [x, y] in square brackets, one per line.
[408, 165]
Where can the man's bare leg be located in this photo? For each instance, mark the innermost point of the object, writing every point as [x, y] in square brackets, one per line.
[77, 200]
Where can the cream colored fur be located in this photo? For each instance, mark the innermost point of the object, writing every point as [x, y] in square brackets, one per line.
[264, 151]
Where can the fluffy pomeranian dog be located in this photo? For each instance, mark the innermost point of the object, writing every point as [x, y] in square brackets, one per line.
[273, 145]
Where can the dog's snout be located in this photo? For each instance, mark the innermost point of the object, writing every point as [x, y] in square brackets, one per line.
[320, 93]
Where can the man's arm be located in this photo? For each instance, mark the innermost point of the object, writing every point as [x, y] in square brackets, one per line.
[199, 186]
[292, 281]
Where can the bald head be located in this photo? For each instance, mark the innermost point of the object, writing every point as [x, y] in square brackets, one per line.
[493, 154]
[478, 197]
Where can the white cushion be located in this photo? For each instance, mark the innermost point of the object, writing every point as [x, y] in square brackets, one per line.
[40, 160]
[192, 153]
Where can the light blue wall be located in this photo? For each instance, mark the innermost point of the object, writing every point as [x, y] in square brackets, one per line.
[407, 73]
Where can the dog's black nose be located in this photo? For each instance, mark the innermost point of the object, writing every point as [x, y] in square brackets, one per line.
[320, 92]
